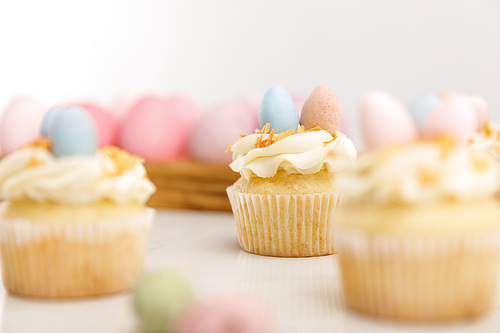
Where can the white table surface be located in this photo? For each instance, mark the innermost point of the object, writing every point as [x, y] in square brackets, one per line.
[302, 295]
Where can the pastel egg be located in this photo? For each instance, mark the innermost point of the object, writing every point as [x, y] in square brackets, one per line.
[278, 109]
[187, 113]
[106, 123]
[455, 116]
[385, 121]
[299, 101]
[225, 314]
[150, 129]
[72, 132]
[321, 109]
[160, 297]
[20, 123]
[343, 121]
[481, 109]
[218, 128]
[421, 108]
[48, 120]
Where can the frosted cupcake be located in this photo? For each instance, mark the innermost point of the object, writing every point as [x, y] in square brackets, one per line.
[419, 234]
[74, 221]
[284, 202]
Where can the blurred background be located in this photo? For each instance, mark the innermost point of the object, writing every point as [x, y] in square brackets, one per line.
[112, 50]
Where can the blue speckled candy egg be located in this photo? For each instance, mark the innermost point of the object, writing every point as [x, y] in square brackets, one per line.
[71, 130]
[278, 109]
[421, 108]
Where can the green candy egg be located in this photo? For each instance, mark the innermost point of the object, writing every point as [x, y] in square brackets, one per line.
[159, 298]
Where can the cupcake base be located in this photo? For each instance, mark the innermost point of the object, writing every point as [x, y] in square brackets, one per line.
[285, 225]
[73, 259]
[439, 278]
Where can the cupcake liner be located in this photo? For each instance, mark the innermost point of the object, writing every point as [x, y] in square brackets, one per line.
[285, 225]
[73, 259]
[410, 277]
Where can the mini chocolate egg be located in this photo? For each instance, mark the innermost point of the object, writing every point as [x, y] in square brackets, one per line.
[20, 123]
[422, 107]
[72, 132]
[385, 121]
[150, 129]
[455, 116]
[278, 109]
[160, 297]
[218, 128]
[106, 123]
[321, 109]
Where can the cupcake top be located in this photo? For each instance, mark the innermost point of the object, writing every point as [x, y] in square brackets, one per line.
[420, 172]
[487, 139]
[279, 147]
[60, 168]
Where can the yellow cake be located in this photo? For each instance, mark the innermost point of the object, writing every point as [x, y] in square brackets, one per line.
[284, 203]
[72, 226]
[419, 234]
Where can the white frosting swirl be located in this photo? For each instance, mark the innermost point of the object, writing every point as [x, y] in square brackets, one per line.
[305, 153]
[35, 174]
[487, 139]
[418, 173]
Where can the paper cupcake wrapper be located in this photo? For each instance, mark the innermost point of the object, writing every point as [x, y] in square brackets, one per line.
[419, 277]
[73, 259]
[302, 294]
[285, 225]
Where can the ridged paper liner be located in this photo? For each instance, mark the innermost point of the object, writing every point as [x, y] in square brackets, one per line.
[302, 294]
[409, 277]
[73, 259]
[299, 225]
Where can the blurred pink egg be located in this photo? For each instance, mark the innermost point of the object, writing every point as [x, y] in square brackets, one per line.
[20, 123]
[218, 128]
[187, 113]
[456, 116]
[152, 130]
[225, 315]
[299, 101]
[106, 123]
[385, 121]
[344, 121]
[481, 109]
[252, 102]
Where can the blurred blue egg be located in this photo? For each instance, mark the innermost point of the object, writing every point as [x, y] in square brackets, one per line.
[72, 132]
[47, 121]
[278, 109]
[421, 108]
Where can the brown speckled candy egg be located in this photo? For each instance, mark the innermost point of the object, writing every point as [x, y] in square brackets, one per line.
[322, 109]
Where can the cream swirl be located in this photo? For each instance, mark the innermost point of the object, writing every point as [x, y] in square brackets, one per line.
[419, 173]
[33, 173]
[305, 153]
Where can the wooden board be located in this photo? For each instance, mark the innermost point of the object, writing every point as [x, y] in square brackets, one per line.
[186, 184]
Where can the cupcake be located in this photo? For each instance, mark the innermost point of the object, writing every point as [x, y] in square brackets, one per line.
[284, 202]
[419, 231]
[74, 222]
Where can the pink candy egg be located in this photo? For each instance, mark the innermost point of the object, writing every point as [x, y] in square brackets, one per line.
[187, 112]
[322, 109]
[20, 123]
[481, 109]
[299, 101]
[455, 116]
[152, 130]
[225, 315]
[218, 128]
[385, 121]
[106, 124]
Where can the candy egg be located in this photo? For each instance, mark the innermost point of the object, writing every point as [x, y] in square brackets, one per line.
[151, 130]
[20, 123]
[159, 298]
[187, 113]
[321, 109]
[48, 120]
[423, 106]
[299, 101]
[218, 128]
[481, 109]
[225, 315]
[455, 116]
[278, 109]
[106, 124]
[384, 121]
[72, 132]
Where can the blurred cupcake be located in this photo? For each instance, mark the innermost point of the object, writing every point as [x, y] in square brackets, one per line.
[284, 202]
[74, 223]
[419, 234]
